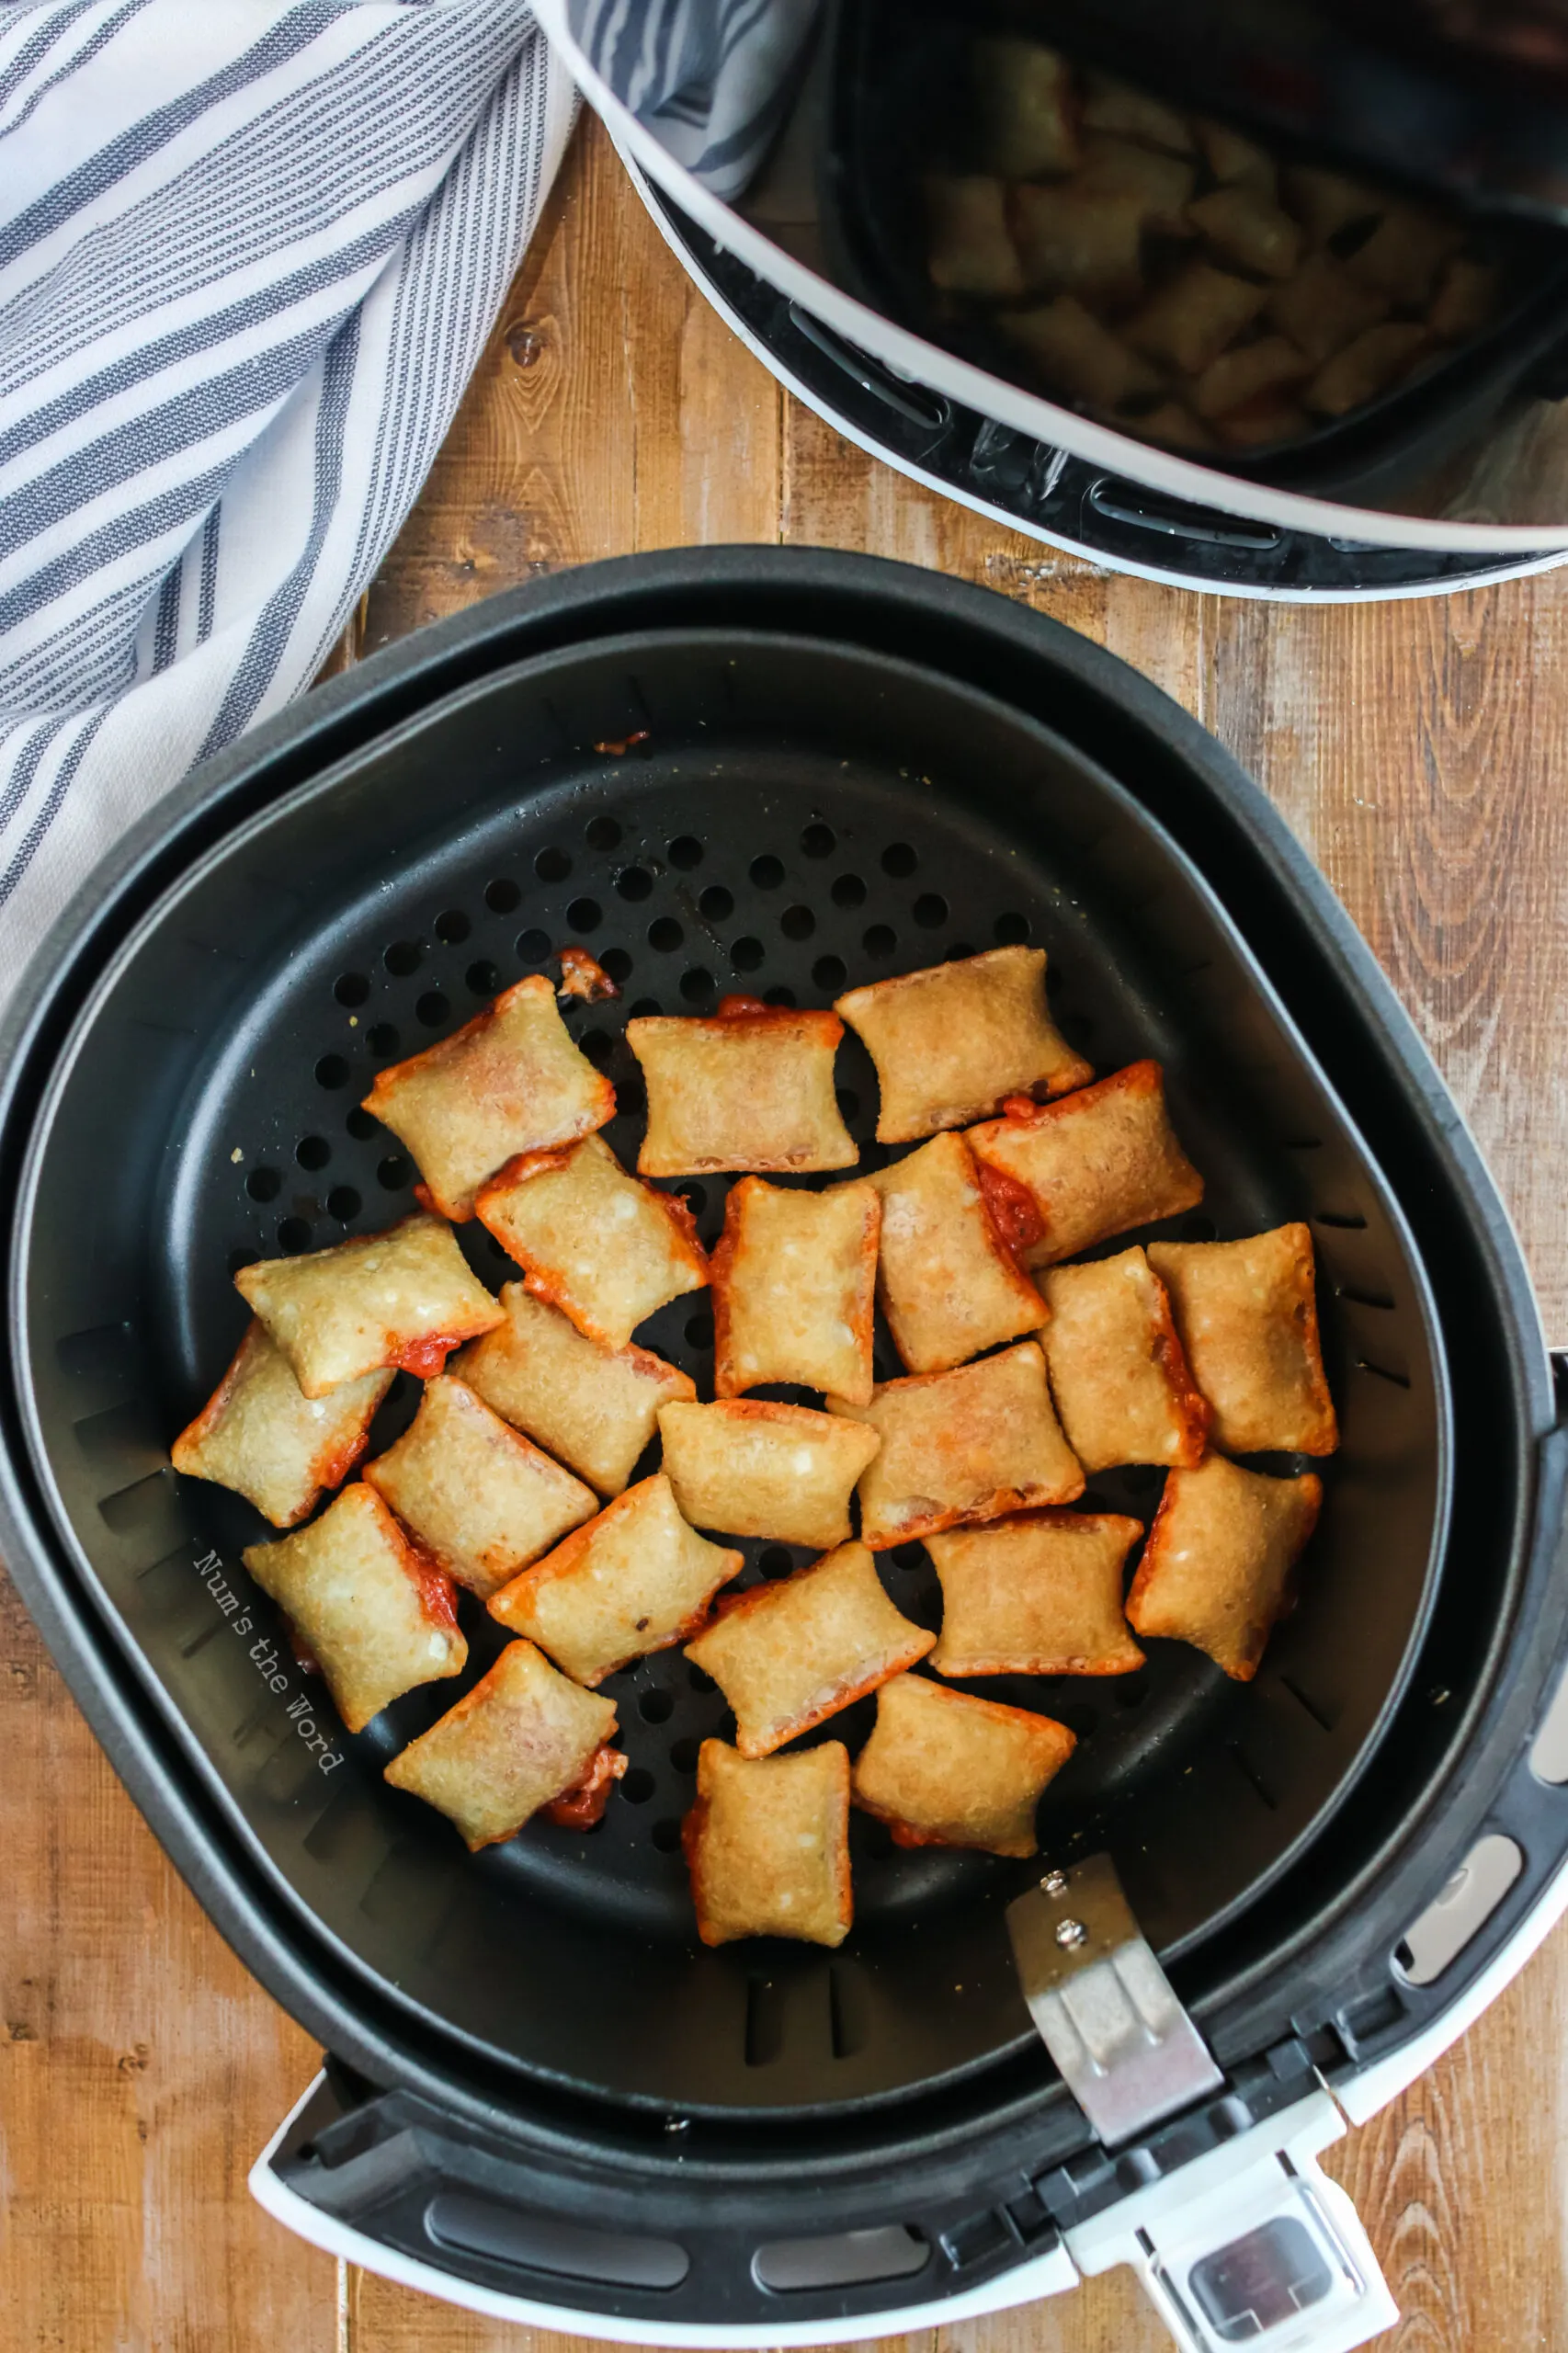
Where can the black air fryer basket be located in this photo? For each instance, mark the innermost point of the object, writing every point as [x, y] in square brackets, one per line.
[828, 770]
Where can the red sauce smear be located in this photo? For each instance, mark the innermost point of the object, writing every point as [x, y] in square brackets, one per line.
[904, 1834]
[1015, 1212]
[1019, 1107]
[741, 1007]
[579, 1807]
[424, 1357]
[582, 975]
[305, 1658]
[618, 750]
[680, 1212]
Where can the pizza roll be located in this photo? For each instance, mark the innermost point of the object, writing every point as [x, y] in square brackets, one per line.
[794, 1282]
[1372, 364]
[369, 1606]
[1405, 254]
[1038, 1594]
[963, 1445]
[1118, 1373]
[1329, 203]
[1235, 160]
[399, 1300]
[952, 1042]
[511, 1080]
[1263, 423]
[593, 1239]
[1248, 229]
[1465, 299]
[947, 1283]
[259, 1434]
[767, 1845]
[1188, 322]
[1216, 1569]
[1323, 308]
[1247, 1316]
[634, 1580]
[1095, 1164]
[1271, 364]
[1110, 105]
[750, 1088]
[1026, 107]
[481, 1498]
[1161, 185]
[1077, 357]
[522, 1738]
[752, 1468]
[786, 1655]
[596, 1408]
[972, 250]
[942, 1768]
[1073, 241]
[1174, 426]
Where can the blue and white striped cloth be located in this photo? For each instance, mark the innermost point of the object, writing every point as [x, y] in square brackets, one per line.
[250, 251]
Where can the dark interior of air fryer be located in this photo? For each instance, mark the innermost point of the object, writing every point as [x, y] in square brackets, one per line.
[789, 826]
[912, 107]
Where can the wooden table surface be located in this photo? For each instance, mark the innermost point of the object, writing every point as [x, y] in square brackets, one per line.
[1416, 748]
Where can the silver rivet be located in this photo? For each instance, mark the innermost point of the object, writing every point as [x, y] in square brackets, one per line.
[1054, 1883]
[1071, 1934]
[678, 2123]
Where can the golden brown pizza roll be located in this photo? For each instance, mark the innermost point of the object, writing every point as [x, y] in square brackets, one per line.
[1073, 241]
[951, 1044]
[794, 1287]
[751, 1468]
[1078, 356]
[1235, 160]
[949, 1284]
[1328, 202]
[370, 1607]
[767, 1845]
[511, 1080]
[963, 1445]
[1189, 321]
[634, 1580]
[1405, 254]
[593, 1239]
[259, 1433]
[1100, 1161]
[596, 1408]
[1026, 107]
[1036, 1594]
[786, 1655]
[1365, 367]
[403, 1298]
[1323, 308]
[751, 1088]
[1160, 184]
[522, 1738]
[1118, 1372]
[942, 1768]
[1271, 364]
[1216, 1569]
[1245, 226]
[481, 1498]
[1115, 106]
[1248, 1319]
[970, 249]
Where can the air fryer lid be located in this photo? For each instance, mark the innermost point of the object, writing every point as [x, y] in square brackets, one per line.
[802, 813]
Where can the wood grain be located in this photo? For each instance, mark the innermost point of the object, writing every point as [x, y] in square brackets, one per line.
[1416, 748]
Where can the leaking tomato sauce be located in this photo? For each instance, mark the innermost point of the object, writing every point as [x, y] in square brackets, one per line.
[741, 1007]
[1015, 1212]
[617, 746]
[582, 1804]
[424, 1357]
[582, 975]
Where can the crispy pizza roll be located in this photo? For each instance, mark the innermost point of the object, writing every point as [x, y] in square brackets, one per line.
[511, 1080]
[794, 1286]
[1190, 320]
[1247, 229]
[1262, 423]
[1248, 1319]
[593, 1239]
[1329, 203]
[1094, 1163]
[1118, 1373]
[481, 1498]
[1271, 364]
[767, 1845]
[1465, 299]
[963, 1445]
[634, 1580]
[1160, 184]
[1038, 1594]
[1216, 1569]
[1114, 105]
[1026, 107]
[259, 1434]
[751, 1468]
[1235, 160]
[1372, 364]
[596, 1408]
[1079, 358]
[403, 1298]
[522, 1738]
[370, 1607]
[1074, 241]
[1174, 426]
[952, 1042]
[1405, 254]
[948, 1282]
[970, 249]
[1323, 308]
[751, 1088]
[786, 1655]
[942, 1768]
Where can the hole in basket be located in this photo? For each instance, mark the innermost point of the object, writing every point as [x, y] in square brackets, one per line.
[359, 1124]
[848, 1102]
[694, 1196]
[849, 891]
[684, 1755]
[766, 873]
[312, 1152]
[432, 1009]
[797, 922]
[293, 1233]
[696, 986]
[899, 860]
[332, 1071]
[747, 954]
[774, 1560]
[656, 1707]
[958, 952]
[533, 946]
[909, 1556]
[482, 978]
[264, 1183]
[830, 972]
[631, 1096]
[401, 958]
[686, 852]
[881, 940]
[552, 866]
[634, 883]
[716, 903]
[818, 841]
[700, 1331]
[351, 988]
[601, 833]
[636, 1786]
[343, 1203]
[779, 996]
[382, 1041]
[394, 1173]
[665, 935]
[1010, 931]
[585, 915]
[667, 1836]
[238, 1259]
[597, 1047]
[616, 964]
[644, 1009]
[765, 2022]
[502, 896]
[452, 925]
[930, 909]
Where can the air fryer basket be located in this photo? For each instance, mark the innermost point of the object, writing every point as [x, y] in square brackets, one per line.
[848, 771]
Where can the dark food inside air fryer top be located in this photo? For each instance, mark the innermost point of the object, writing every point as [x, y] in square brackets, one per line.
[1169, 275]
